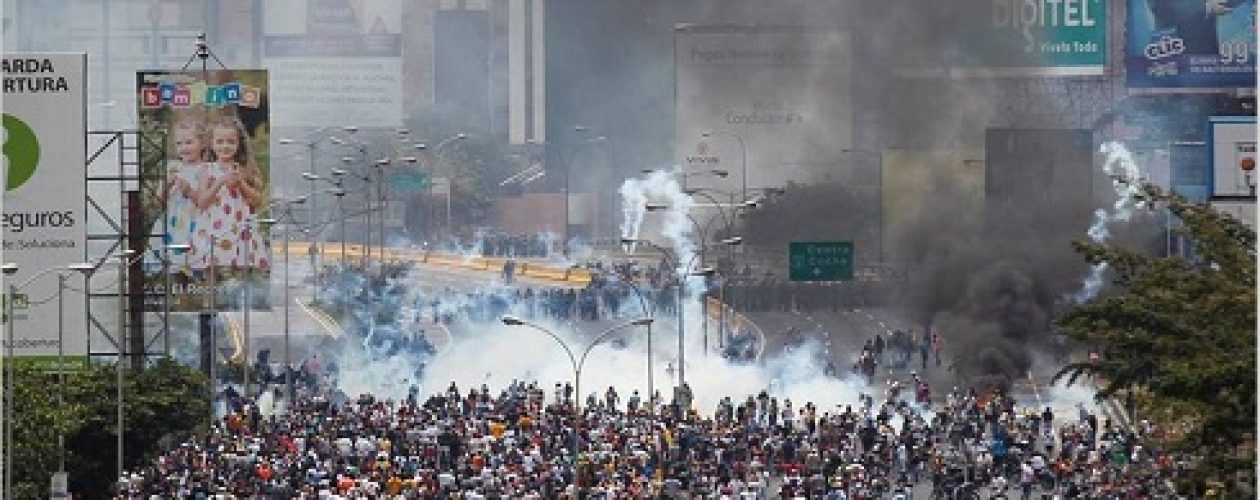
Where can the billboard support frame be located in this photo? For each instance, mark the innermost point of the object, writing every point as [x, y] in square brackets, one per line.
[125, 168]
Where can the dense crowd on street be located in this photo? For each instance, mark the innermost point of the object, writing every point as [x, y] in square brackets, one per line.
[523, 441]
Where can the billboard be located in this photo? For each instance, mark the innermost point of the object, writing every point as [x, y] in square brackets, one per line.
[777, 100]
[1189, 43]
[1009, 38]
[335, 62]
[45, 143]
[205, 181]
[1232, 156]
[1031, 38]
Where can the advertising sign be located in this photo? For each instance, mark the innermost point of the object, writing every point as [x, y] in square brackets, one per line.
[1232, 150]
[45, 143]
[1192, 44]
[1030, 38]
[775, 99]
[205, 185]
[335, 62]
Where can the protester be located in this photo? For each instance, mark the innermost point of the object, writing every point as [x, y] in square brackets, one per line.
[518, 443]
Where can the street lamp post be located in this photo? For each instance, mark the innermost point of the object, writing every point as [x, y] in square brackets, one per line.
[10, 269]
[361, 148]
[288, 230]
[382, 198]
[166, 292]
[336, 183]
[731, 242]
[341, 194]
[577, 364]
[651, 313]
[248, 302]
[702, 231]
[311, 175]
[681, 274]
[317, 247]
[85, 269]
[568, 164]
[367, 207]
[743, 150]
[121, 350]
[437, 156]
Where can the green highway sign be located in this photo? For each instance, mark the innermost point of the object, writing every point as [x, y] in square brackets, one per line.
[409, 180]
[820, 261]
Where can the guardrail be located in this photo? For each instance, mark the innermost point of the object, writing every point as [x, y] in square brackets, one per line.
[527, 268]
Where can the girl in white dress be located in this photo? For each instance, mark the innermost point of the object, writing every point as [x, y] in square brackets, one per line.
[189, 139]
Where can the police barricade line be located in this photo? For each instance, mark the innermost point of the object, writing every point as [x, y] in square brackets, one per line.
[577, 277]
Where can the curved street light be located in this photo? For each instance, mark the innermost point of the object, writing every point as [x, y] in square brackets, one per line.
[680, 274]
[436, 153]
[743, 149]
[577, 364]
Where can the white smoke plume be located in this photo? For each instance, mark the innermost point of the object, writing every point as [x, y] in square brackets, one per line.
[658, 188]
[1125, 175]
[496, 355]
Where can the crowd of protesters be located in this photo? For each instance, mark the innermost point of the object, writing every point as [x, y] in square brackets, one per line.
[899, 352]
[523, 441]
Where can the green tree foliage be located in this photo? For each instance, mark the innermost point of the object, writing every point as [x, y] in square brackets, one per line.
[1182, 330]
[475, 165]
[163, 403]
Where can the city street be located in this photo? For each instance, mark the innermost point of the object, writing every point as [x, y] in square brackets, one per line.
[574, 249]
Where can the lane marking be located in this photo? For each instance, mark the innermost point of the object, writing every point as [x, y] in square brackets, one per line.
[330, 326]
[238, 338]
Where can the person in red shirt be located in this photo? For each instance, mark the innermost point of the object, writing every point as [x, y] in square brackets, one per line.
[264, 471]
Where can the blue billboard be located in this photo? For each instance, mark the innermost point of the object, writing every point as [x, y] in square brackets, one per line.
[1191, 43]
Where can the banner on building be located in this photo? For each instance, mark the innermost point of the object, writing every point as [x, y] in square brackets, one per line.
[1232, 149]
[775, 102]
[45, 143]
[335, 62]
[205, 184]
[1011, 38]
[1191, 44]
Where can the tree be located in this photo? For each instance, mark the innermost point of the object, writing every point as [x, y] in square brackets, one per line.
[474, 165]
[164, 402]
[1181, 330]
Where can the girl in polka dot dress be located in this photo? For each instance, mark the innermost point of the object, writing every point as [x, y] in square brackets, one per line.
[231, 194]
